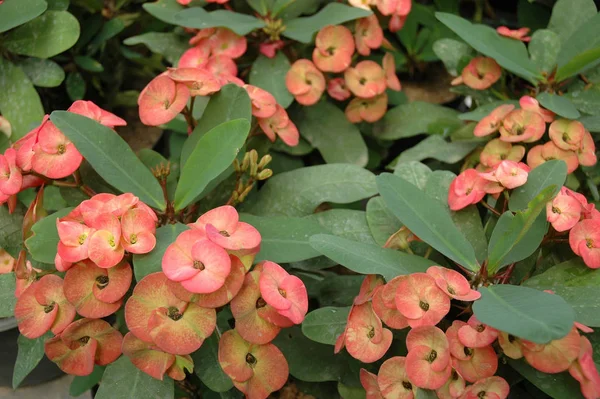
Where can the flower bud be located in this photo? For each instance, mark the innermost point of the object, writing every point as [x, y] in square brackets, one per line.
[264, 174]
[264, 161]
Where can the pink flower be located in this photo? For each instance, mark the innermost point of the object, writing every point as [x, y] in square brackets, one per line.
[336, 88]
[428, 360]
[489, 387]
[454, 284]
[138, 229]
[549, 151]
[264, 104]
[508, 174]
[305, 82]
[228, 43]
[476, 334]
[286, 293]
[367, 109]
[162, 100]
[496, 151]
[54, 155]
[480, 74]
[223, 68]
[74, 240]
[104, 245]
[586, 153]
[334, 47]
[584, 239]
[531, 104]
[269, 49]
[199, 81]
[366, 79]
[521, 125]
[389, 67]
[222, 226]
[420, 300]
[564, 211]
[566, 134]
[519, 34]
[492, 122]
[365, 338]
[92, 111]
[196, 57]
[368, 34]
[11, 179]
[466, 189]
[393, 381]
[279, 124]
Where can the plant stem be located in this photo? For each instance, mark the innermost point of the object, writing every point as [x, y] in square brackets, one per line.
[490, 208]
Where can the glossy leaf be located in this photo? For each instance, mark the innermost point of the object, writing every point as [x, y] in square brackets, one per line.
[578, 64]
[324, 325]
[426, 218]
[31, 351]
[382, 222]
[269, 74]
[569, 15]
[368, 259]
[23, 107]
[76, 86]
[544, 48]
[289, 244]
[80, 385]
[509, 53]
[165, 10]
[300, 191]
[436, 147]
[414, 118]
[302, 29]
[43, 73]
[11, 234]
[169, 44]
[207, 367]
[151, 262]
[7, 294]
[587, 100]
[45, 36]
[591, 123]
[584, 38]
[213, 154]
[524, 312]
[551, 173]
[44, 241]
[577, 284]
[560, 105]
[110, 156]
[413, 172]
[198, 18]
[17, 12]
[557, 386]
[326, 128]
[122, 380]
[88, 63]
[451, 52]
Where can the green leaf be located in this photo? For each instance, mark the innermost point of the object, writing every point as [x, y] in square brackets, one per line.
[413, 172]
[11, 230]
[578, 64]
[559, 105]
[110, 156]
[524, 312]
[569, 15]
[591, 123]
[80, 385]
[165, 10]
[427, 219]
[410, 119]
[451, 52]
[75, 86]
[516, 236]
[169, 45]
[382, 221]
[484, 110]
[198, 18]
[46, 36]
[17, 12]
[269, 74]
[326, 128]
[584, 38]
[324, 325]
[351, 392]
[207, 367]
[367, 258]
[122, 380]
[109, 30]
[284, 245]
[544, 48]
[151, 262]
[551, 173]
[8, 285]
[577, 284]
[437, 148]
[303, 29]
[88, 63]
[58, 5]
[43, 73]
[22, 107]
[509, 53]
[214, 152]
[300, 191]
[347, 223]
[31, 351]
[557, 386]
[232, 102]
[44, 241]
[587, 101]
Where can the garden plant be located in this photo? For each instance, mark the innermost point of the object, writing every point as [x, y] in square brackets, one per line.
[258, 198]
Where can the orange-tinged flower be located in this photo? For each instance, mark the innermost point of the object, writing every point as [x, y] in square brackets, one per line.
[224, 69]
[492, 122]
[228, 43]
[586, 154]
[393, 380]
[368, 288]
[428, 360]
[529, 103]
[479, 363]
[384, 305]
[511, 345]
[199, 81]
[555, 356]
[55, 156]
[279, 124]
[566, 134]
[490, 387]
[564, 211]
[369, 383]
[367, 109]
[162, 100]
[420, 300]
[336, 88]
[549, 151]
[269, 49]
[496, 151]
[365, 337]
[366, 79]
[522, 125]
[585, 372]
[284, 292]
[7, 262]
[584, 239]
[104, 246]
[454, 284]
[305, 82]
[334, 47]
[453, 388]
[264, 105]
[518, 34]
[466, 189]
[368, 34]
[507, 174]
[480, 74]
[138, 230]
[92, 111]
[396, 22]
[476, 334]
[11, 179]
[389, 67]
[195, 57]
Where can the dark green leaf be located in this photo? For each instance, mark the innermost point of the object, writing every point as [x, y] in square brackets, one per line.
[410, 119]
[168, 44]
[451, 52]
[300, 191]
[578, 64]
[43, 73]
[88, 63]
[576, 284]
[484, 110]
[302, 29]
[284, 245]
[44, 241]
[11, 233]
[413, 172]
[559, 105]
[569, 15]
[585, 38]
[80, 385]
[122, 380]
[7, 294]
[16, 12]
[232, 102]
[196, 17]
[324, 325]
[214, 153]
[591, 123]
[347, 223]
[58, 5]
[326, 128]
[110, 156]
[509, 53]
[152, 262]
[109, 30]
[558, 386]
[53, 199]
[437, 148]
[587, 101]
[348, 392]
[547, 174]
[382, 221]
[207, 367]
[31, 351]
[524, 312]
[75, 86]
[426, 218]
[45, 36]
[165, 10]
[269, 74]
[543, 49]
[367, 258]
[22, 107]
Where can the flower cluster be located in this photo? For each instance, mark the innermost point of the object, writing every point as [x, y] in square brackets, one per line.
[397, 10]
[367, 80]
[203, 70]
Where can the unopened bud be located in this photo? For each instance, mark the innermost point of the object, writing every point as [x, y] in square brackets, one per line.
[246, 162]
[239, 186]
[245, 193]
[253, 156]
[264, 174]
[234, 196]
[236, 166]
[253, 169]
[264, 161]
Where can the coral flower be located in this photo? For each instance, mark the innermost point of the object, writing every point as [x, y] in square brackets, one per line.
[264, 104]
[496, 151]
[92, 111]
[566, 134]
[492, 122]
[228, 43]
[55, 156]
[466, 189]
[584, 239]
[366, 79]
[389, 67]
[479, 363]
[305, 82]
[420, 300]
[199, 81]
[334, 47]
[104, 247]
[286, 293]
[269, 49]
[518, 34]
[365, 337]
[555, 356]
[384, 305]
[490, 387]
[370, 384]
[564, 211]
[196, 57]
[11, 179]
[368, 34]
[428, 360]
[476, 334]
[367, 109]
[393, 380]
[586, 154]
[549, 151]
[162, 100]
[521, 125]
[336, 88]
[529, 103]
[511, 345]
[454, 284]
[222, 226]
[224, 69]
[279, 124]
[480, 74]
[507, 174]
